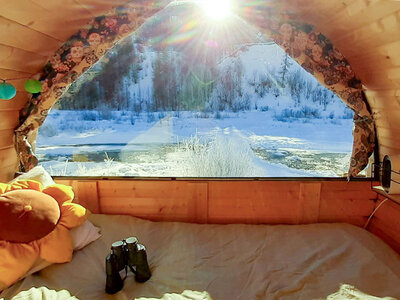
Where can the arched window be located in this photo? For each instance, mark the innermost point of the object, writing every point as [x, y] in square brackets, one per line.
[198, 66]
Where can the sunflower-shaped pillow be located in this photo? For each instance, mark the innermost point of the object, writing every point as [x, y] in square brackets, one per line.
[35, 224]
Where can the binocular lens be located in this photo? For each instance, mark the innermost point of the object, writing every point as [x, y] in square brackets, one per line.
[117, 244]
[131, 240]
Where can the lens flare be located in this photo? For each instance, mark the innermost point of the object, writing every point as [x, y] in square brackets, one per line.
[216, 9]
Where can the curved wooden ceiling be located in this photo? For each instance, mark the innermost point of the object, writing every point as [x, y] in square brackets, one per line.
[367, 32]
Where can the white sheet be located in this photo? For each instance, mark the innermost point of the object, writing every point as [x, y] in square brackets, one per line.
[190, 261]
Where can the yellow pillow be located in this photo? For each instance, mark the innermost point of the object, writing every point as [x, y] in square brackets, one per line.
[55, 246]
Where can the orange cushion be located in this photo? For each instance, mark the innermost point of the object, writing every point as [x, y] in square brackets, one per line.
[27, 215]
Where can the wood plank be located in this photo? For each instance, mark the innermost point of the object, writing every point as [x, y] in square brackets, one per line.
[224, 202]
[386, 53]
[386, 223]
[198, 202]
[8, 157]
[9, 119]
[52, 23]
[7, 172]
[20, 60]
[387, 149]
[6, 138]
[253, 202]
[22, 37]
[385, 134]
[154, 200]
[349, 202]
[87, 195]
[379, 79]
[7, 74]
[309, 202]
[16, 103]
[355, 15]
[389, 144]
[374, 34]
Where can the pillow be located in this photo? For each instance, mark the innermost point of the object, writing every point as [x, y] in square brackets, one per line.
[17, 258]
[84, 235]
[81, 237]
[23, 209]
[38, 174]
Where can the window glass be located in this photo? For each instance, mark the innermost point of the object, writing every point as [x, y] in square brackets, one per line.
[192, 96]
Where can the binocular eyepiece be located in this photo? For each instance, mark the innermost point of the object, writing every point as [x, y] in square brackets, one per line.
[126, 253]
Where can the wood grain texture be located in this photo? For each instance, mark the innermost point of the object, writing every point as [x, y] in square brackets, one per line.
[253, 202]
[6, 138]
[386, 224]
[20, 60]
[309, 202]
[223, 202]
[9, 119]
[350, 202]
[245, 202]
[22, 37]
[16, 103]
[8, 157]
[8, 172]
[154, 200]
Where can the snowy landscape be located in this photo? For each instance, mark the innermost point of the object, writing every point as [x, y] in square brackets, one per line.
[238, 109]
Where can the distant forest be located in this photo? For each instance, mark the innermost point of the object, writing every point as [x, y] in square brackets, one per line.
[180, 82]
[145, 73]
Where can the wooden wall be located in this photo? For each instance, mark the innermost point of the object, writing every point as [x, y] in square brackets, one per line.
[224, 201]
[242, 201]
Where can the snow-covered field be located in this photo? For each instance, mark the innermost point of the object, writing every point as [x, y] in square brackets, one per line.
[253, 122]
[191, 144]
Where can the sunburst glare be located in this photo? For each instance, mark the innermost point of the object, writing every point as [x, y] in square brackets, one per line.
[216, 9]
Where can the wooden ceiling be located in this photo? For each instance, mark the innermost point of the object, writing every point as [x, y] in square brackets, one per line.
[367, 32]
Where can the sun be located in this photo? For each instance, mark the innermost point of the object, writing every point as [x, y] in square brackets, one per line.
[216, 9]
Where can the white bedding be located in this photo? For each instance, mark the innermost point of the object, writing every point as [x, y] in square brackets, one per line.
[190, 261]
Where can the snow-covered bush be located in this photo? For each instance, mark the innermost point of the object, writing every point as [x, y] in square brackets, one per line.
[222, 156]
[88, 115]
[301, 112]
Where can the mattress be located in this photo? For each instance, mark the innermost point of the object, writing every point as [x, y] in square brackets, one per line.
[192, 261]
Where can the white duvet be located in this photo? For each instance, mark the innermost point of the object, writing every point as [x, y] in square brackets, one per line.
[189, 261]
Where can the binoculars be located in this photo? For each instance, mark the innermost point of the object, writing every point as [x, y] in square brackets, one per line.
[126, 253]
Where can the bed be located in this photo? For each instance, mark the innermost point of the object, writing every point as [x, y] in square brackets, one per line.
[191, 261]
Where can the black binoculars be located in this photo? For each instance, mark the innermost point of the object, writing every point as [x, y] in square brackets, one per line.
[126, 253]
